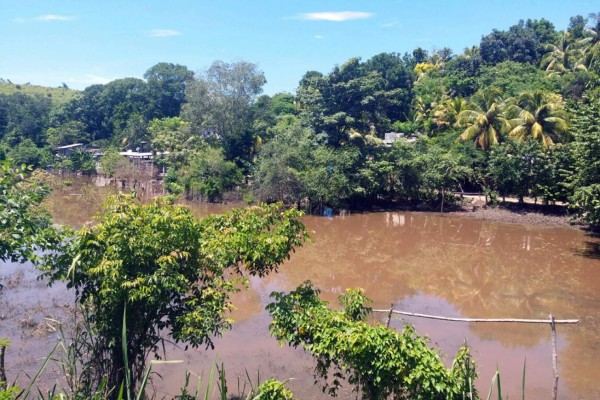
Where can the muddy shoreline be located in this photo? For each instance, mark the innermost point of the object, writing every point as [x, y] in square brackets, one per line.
[513, 215]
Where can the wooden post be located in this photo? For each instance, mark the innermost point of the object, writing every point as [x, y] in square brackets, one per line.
[387, 325]
[554, 358]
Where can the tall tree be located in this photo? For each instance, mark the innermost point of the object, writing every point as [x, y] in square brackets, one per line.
[563, 56]
[166, 88]
[484, 120]
[219, 105]
[538, 115]
[586, 147]
[365, 97]
[24, 117]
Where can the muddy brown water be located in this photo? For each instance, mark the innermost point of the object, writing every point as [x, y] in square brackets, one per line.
[421, 262]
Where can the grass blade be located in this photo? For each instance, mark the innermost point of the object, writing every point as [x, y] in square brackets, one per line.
[140, 394]
[489, 396]
[125, 357]
[523, 381]
[499, 387]
[39, 372]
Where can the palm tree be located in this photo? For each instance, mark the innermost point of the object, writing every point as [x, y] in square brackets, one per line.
[591, 42]
[538, 115]
[446, 113]
[483, 118]
[563, 56]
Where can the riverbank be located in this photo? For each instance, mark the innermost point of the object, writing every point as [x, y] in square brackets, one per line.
[474, 207]
[511, 211]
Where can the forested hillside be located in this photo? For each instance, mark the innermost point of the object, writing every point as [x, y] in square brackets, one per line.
[515, 115]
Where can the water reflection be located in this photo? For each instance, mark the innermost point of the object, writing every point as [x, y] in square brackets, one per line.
[430, 264]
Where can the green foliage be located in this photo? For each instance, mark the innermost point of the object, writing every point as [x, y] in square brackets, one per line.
[67, 133]
[208, 175]
[586, 147]
[166, 89]
[11, 393]
[272, 389]
[26, 152]
[219, 106]
[173, 273]
[24, 226]
[377, 361]
[513, 78]
[483, 118]
[512, 167]
[172, 141]
[522, 43]
[538, 115]
[366, 97]
[282, 162]
[441, 172]
[82, 161]
[112, 163]
[23, 117]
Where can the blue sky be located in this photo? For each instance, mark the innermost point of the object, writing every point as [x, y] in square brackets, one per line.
[82, 42]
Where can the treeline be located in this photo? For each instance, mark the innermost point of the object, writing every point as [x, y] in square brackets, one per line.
[514, 116]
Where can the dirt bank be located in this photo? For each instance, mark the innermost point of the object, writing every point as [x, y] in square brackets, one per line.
[511, 211]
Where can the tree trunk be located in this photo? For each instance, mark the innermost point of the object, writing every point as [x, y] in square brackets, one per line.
[3, 379]
[442, 206]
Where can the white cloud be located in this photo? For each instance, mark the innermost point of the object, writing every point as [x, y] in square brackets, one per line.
[389, 24]
[319, 37]
[335, 16]
[164, 33]
[44, 18]
[90, 79]
[53, 17]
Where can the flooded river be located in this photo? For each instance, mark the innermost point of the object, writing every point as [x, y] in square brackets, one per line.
[420, 262]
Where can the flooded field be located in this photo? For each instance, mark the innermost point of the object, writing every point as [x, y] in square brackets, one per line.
[420, 262]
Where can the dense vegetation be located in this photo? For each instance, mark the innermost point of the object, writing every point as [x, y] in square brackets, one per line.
[515, 116]
[506, 117]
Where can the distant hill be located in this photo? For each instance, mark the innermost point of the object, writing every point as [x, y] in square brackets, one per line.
[58, 95]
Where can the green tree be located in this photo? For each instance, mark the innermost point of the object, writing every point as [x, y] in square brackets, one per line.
[172, 273]
[208, 174]
[26, 152]
[522, 43]
[562, 57]
[512, 168]
[377, 361]
[82, 161]
[441, 172]
[591, 43]
[365, 97]
[586, 147]
[135, 135]
[538, 115]
[282, 162]
[112, 163]
[513, 78]
[166, 89]
[483, 118]
[68, 133]
[576, 27]
[172, 141]
[24, 226]
[24, 117]
[218, 106]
